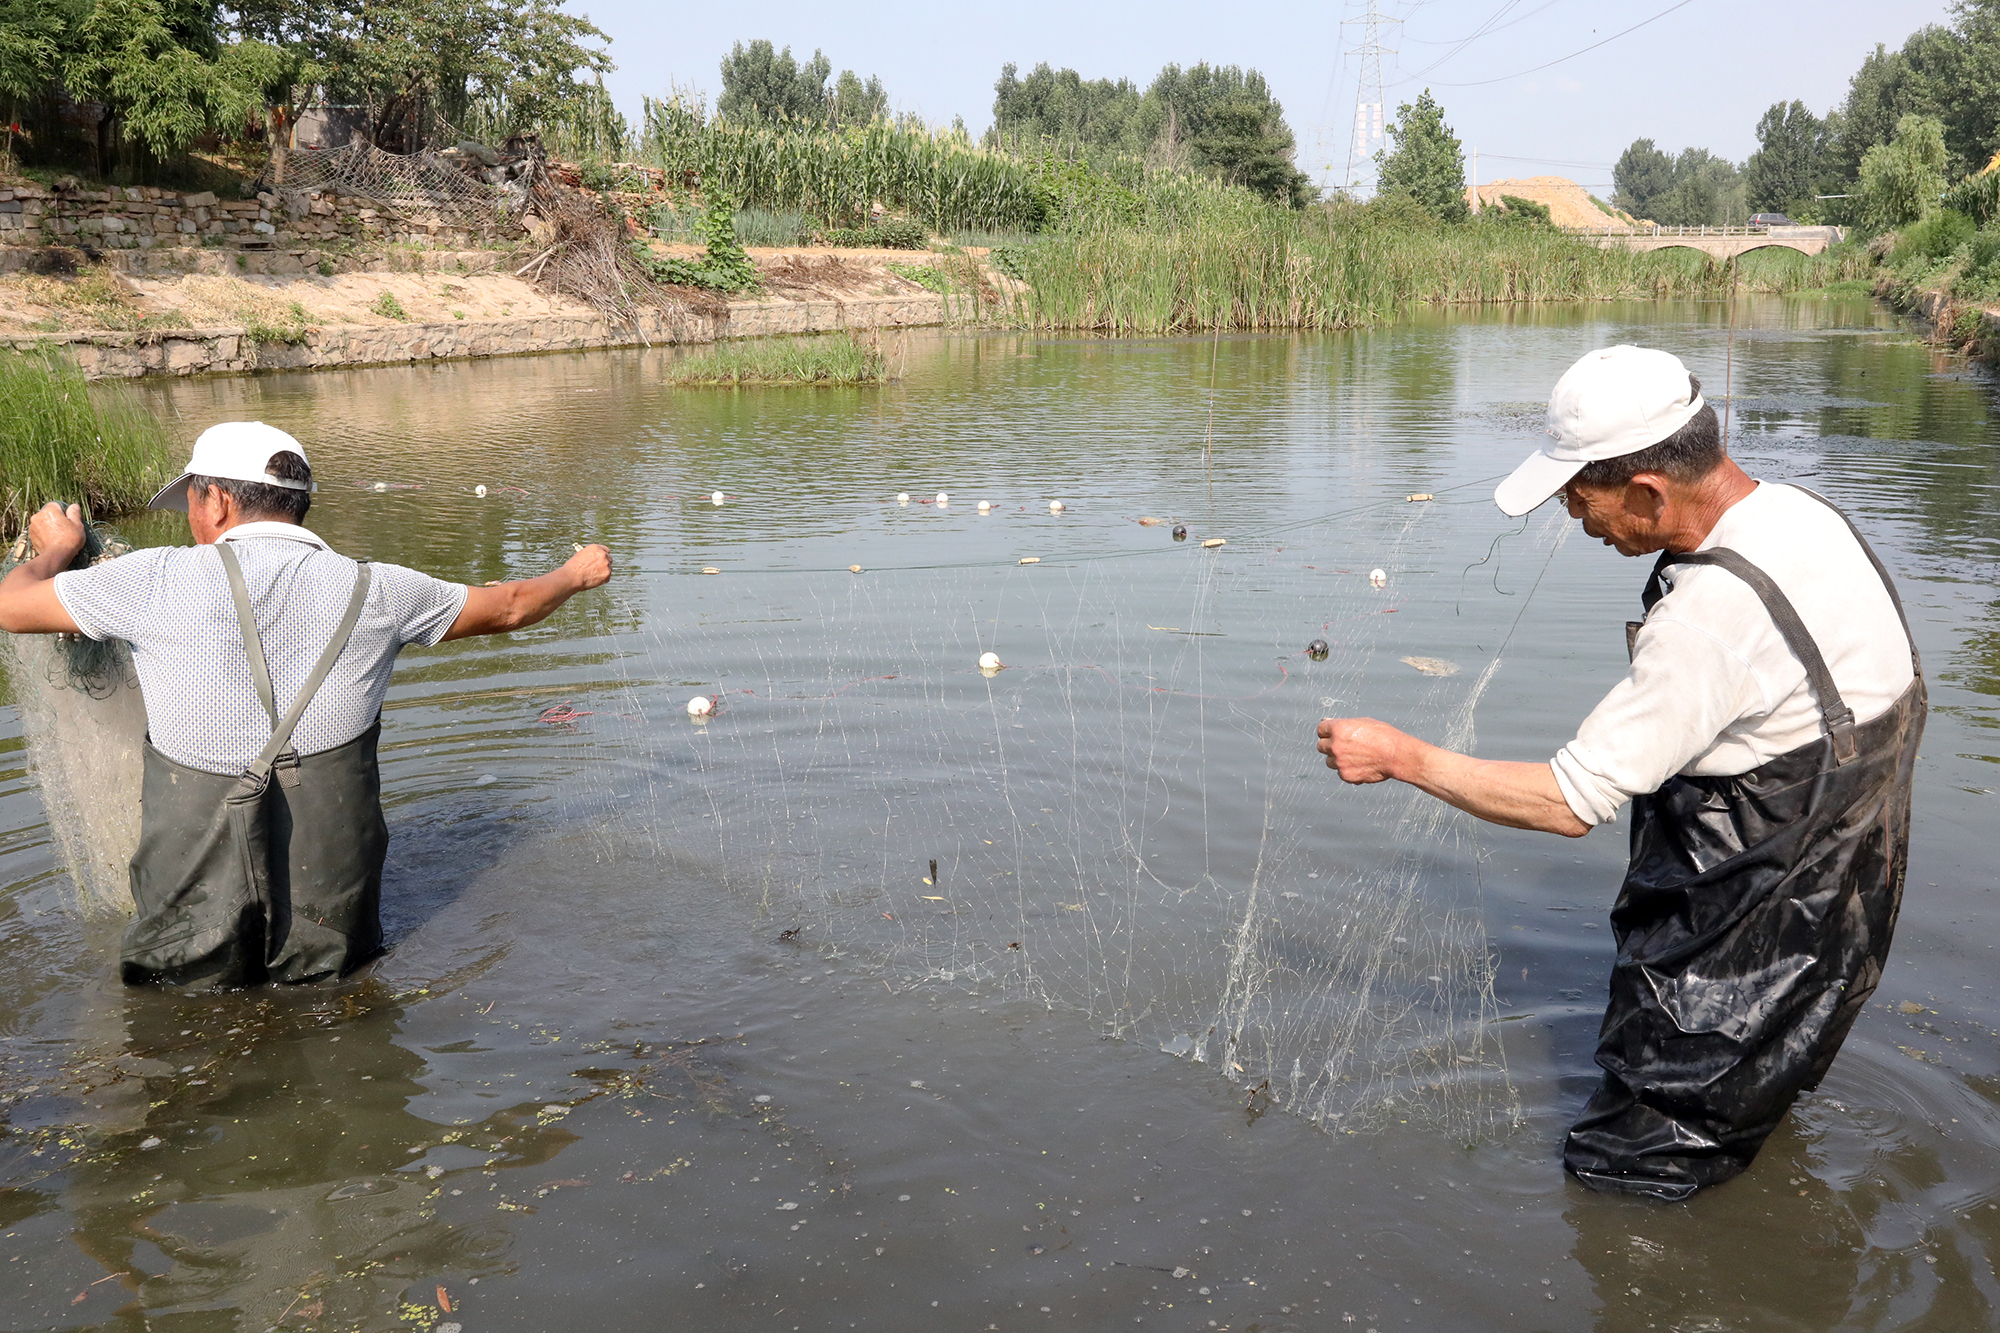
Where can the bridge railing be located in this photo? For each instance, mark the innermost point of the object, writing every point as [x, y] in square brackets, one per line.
[1715, 230]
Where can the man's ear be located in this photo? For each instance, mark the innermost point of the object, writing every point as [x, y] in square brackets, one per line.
[1646, 496]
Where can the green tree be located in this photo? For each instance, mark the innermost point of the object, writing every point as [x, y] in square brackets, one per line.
[760, 82]
[1902, 179]
[858, 103]
[1783, 174]
[1222, 120]
[1642, 174]
[1426, 163]
[1061, 106]
[152, 68]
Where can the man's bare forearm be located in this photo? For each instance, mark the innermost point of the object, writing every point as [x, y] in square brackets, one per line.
[1517, 795]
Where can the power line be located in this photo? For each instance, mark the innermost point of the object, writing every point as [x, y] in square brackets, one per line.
[1481, 83]
[1476, 33]
[1425, 41]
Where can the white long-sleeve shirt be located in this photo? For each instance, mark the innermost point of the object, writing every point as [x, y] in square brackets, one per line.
[1713, 689]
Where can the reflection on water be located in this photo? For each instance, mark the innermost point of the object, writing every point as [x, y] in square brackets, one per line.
[797, 1017]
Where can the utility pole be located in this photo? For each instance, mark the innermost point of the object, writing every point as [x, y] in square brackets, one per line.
[1369, 95]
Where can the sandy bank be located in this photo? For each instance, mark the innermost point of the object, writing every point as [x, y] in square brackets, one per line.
[122, 325]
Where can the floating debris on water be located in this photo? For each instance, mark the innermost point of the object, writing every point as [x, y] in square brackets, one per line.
[1377, 577]
[854, 569]
[710, 569]
[1031, 560]
[1179, 1046]
[381, 485]
[1150, 522]
[700, 706]
[1432, 666]
[1317, 650]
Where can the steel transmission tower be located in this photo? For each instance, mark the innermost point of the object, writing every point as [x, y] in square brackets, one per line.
[1368, 93]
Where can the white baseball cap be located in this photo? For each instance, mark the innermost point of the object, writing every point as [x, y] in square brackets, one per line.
[234, 451]
[1615, 401]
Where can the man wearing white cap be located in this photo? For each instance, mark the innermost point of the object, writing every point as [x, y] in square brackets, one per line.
[263, 657]
[1765, 734]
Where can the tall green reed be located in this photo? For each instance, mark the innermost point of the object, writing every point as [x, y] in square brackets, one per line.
[63, 439]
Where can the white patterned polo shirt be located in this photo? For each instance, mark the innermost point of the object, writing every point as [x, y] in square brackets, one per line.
[172, 604]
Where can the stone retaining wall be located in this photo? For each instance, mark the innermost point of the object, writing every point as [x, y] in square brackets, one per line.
[139, 217]
[109, 355]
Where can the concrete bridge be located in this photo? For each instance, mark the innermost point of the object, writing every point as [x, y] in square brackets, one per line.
[1715, 242]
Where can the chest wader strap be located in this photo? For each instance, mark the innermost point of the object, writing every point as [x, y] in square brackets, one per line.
[278, 753]
[1839, 718]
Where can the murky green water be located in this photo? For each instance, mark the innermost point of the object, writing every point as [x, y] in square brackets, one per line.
[682, 1027]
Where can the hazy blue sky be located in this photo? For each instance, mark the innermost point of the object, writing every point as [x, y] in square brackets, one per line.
[1700, 75]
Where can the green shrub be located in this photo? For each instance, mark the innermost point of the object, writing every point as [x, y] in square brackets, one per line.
[889, 234]
[388, 307]
[723, 267]
[1012, 260]
[1936, 237]
[1980, 279]
[1977, 196]
[1515, 208]
[63, 439]
[924, 276]
[291, 326]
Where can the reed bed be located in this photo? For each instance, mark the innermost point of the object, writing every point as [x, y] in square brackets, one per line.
[1282, 271]
[841, 359]
[63, 439]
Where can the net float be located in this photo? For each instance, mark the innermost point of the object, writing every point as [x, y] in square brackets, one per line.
[1213, 542]
[1420, 495]
[903, 498]
[854, 569]
[716, 497]
[381, 485]
[1180, 532]
[1031, 560]
[985, 505]
[710, 569]
[700, 706]
[479, 491]
[1317, 650]
[1055, 506]
[1377, 577]
[989, 662]
[943, 499]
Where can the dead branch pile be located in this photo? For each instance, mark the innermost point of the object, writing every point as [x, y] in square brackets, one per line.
[583, 254]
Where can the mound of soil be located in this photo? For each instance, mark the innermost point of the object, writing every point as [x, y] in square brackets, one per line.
[1569, 204]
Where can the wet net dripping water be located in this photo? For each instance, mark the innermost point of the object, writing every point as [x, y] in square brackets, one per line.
[1127, 819]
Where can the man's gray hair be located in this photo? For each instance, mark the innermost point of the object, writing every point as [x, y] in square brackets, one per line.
[256, 499]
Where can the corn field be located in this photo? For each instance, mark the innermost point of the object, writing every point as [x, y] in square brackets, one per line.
[835, 175]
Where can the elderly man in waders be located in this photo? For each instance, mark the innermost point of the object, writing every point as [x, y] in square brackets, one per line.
[263, 656]
[1765, 734]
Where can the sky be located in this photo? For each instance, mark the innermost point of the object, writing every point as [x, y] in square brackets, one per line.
[1698, 75]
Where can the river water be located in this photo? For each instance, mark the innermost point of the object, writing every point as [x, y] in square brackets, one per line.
[901, 995]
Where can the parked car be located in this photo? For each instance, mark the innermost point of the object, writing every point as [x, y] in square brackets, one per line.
[1771, 220]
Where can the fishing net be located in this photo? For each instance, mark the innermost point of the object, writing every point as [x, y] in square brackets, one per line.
[84, 721]
[420, 187]
[1128, 820]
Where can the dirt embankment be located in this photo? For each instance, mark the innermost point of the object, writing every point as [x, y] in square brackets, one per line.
[1569, 204]
[467, 287]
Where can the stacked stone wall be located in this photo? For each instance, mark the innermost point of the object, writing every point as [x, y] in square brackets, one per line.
[141, 217]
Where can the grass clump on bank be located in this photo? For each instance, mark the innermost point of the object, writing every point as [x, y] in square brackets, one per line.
[836, 360]
[62, 439]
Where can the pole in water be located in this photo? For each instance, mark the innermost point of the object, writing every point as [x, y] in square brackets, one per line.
[1729, 358]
